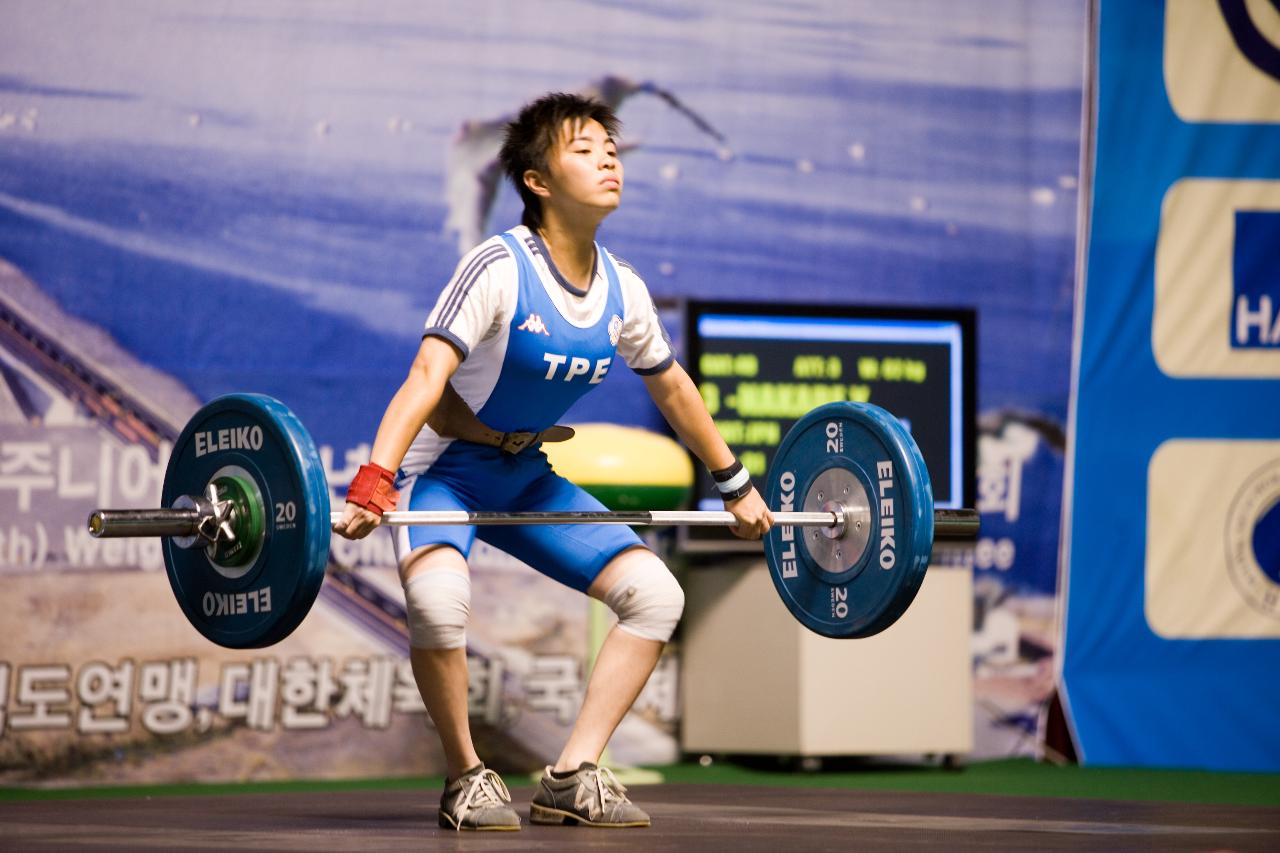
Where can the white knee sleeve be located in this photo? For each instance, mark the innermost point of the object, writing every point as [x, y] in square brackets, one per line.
[648, 601]
[438, 603]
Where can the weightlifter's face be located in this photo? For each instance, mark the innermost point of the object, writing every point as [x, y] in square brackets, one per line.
[583, 169]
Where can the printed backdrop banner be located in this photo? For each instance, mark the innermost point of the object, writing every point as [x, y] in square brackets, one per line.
[1172, 630]
[203, 198]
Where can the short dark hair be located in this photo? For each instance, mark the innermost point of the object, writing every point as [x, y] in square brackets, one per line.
[529, 138]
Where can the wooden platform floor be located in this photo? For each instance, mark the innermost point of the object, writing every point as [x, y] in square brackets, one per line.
[740, 819]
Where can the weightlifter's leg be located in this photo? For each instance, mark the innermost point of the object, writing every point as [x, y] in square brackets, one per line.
[648, 601]
[437, 592]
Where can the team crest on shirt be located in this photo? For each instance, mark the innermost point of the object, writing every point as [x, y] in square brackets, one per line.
[533, 323]
[615, 329]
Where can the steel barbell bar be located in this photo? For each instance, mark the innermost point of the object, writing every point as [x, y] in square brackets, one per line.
[180, 523]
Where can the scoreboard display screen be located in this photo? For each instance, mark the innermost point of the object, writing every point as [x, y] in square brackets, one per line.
[760, 368]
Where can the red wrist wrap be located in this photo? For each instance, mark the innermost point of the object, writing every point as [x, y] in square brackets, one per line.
[373, 488]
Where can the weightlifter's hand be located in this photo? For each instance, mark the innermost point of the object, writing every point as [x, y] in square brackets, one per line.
[357, 522]
[371, 493]
[754, 518]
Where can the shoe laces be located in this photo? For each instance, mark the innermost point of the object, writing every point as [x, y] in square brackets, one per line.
[608, 789]
[485, 789]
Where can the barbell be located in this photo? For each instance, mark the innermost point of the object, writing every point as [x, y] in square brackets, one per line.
[247, 520]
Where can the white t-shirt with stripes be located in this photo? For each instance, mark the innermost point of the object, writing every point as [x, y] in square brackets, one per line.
[474, 313]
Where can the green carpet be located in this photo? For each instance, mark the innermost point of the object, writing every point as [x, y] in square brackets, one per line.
[1014, 777]
[1020, 777]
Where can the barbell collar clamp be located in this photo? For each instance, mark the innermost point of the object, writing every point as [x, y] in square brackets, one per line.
[194, 521]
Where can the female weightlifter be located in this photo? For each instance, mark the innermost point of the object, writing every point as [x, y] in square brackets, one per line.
[532, 319]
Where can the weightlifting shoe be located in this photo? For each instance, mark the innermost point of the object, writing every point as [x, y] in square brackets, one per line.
[592, 796]
[477, 800]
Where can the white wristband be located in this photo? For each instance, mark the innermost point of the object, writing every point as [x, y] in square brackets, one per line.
[734, 483]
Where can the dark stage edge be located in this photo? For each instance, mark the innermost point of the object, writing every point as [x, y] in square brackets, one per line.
[685, 817]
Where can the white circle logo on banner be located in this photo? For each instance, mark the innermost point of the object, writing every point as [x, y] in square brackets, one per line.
[1253, 539]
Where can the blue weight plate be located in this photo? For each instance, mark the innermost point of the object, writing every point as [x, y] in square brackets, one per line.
[258, 439]
[877, 454]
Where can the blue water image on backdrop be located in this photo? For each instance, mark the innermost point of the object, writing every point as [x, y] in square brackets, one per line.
[270, 198]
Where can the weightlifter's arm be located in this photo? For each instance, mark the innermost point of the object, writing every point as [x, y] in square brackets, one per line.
[681, 404]
[408, 410]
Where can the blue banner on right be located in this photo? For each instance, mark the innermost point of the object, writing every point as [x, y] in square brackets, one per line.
[1172, 557]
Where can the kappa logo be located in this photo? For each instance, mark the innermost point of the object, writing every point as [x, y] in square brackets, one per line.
[533, 323]
[615, 329]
